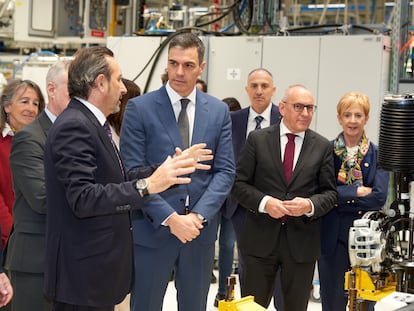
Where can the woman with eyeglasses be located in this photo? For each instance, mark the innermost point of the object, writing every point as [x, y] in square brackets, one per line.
[20, 103]
[362, 186]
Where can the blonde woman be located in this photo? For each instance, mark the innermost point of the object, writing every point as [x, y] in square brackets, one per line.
[361, 186]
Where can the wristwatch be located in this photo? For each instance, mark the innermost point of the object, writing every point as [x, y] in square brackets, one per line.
[142, 187]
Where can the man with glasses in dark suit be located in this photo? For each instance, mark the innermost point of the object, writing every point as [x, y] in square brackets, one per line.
[284, 200]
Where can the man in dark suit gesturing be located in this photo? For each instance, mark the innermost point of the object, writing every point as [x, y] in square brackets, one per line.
[89, 260]
[284, 200]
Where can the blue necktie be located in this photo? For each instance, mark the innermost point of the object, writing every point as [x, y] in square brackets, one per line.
[258, 120]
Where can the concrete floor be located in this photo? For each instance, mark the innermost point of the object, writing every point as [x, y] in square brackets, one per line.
[170, 303]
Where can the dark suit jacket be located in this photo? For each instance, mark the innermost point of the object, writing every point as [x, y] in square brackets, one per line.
[260, 172]
[239, 120]
[89, 244]
[150, 133]
[26, 247]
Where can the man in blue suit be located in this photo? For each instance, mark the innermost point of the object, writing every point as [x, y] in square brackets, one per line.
[163, 232]
[261, 114]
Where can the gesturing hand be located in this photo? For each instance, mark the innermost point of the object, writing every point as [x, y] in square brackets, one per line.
[198, 153]
[169, 172]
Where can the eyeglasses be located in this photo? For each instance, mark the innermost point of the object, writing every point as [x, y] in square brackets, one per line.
[300, 107]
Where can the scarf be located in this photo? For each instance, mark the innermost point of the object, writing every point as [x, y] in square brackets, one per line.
[350, 172]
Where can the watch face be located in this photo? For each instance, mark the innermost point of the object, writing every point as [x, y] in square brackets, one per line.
[141, 183]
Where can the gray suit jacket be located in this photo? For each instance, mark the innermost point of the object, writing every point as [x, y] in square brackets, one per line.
[26, 245]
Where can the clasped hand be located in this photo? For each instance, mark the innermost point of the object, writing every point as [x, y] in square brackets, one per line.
[296, 207]
[185, 227]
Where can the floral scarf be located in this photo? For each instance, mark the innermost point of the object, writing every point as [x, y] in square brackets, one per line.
[350, 172]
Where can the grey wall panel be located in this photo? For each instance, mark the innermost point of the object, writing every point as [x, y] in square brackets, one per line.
[328, 65]
[352, 63]
[133, 53]
[229, 62]
[292, 60]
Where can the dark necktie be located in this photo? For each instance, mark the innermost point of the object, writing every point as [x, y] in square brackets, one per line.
[258, 120]
[289, 156]
[183, 123]
[109, 133]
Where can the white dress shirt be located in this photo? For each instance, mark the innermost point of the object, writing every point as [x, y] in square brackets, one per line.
[251, 122]
[298, 147]
[176, 104]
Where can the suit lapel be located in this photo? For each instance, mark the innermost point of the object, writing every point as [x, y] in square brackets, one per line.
[245, 121]
[165, 113]
[305, 153]
[273, 144]
[44, 123]
[200, 119]
[99, 128]
[239, 130]
[274, 115]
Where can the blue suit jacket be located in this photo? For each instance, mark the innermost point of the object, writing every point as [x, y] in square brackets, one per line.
[336, 224]
[239, 130]
[149, 134]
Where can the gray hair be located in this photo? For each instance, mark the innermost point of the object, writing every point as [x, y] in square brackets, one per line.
[289, 89]
[9, 92]
[57, 69]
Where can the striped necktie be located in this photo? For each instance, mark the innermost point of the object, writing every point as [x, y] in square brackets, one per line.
[258, 120]
[109, 133]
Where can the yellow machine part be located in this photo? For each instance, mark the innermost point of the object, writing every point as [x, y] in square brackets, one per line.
[243, 304]
[365, 288]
